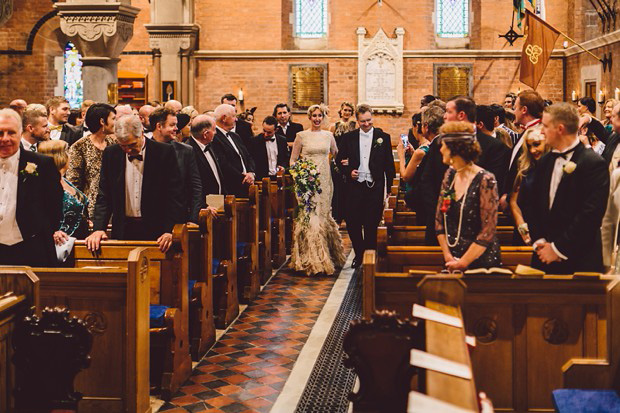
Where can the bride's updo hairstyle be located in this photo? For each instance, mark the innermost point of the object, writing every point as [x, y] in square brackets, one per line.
[460, 139]
[324, 110]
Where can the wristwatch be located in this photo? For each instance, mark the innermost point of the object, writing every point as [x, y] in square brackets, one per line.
[523, 229]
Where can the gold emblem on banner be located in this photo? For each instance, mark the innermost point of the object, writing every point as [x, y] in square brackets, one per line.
[533, 51]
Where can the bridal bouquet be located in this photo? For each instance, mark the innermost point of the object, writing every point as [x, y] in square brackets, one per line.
[306, 184]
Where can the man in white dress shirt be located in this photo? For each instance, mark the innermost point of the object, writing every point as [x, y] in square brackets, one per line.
[570, 189]
[58, 111]
[30, 199]
[35, 127]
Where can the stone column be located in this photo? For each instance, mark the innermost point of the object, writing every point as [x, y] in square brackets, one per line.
[185, 77]
[156, 82]
[100, 30]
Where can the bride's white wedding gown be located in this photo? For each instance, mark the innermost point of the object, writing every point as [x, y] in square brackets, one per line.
[317, 245]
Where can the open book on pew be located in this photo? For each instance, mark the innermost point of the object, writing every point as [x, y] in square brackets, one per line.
[526, 271]
[216, 201]
[492, 270]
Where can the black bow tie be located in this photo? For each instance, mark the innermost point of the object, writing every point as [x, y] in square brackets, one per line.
[270, 139]
[138, 157]
[206, 149]
[556, 155]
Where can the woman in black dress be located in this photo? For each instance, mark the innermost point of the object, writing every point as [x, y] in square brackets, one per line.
[466, 215]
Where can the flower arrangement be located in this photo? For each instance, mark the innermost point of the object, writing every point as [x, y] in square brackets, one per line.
[447, 196]
[306, 183]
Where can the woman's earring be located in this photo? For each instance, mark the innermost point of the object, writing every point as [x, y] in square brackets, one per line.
[451, 161]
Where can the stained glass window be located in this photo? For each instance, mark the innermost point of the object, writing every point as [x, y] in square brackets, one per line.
[74, 92]
[310, 18]
[452, 18]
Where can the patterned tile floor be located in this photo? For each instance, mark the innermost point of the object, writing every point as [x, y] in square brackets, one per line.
[247, 368]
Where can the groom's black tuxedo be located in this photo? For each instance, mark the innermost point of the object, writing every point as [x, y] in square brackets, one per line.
[259, 153]
[230, 162]
[364, 201]
[573, 222]
[38, 213]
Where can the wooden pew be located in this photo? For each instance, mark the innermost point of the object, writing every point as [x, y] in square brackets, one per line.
[265, 244]
[414, 235]
[170, 362]
[224, 265]
[278, 215]
[528, 327]
[248, 278]
[114, 303]
[290, 205]
[19, 288]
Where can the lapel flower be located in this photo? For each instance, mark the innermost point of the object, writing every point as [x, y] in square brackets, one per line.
[378, 142]
[569, 167]
[30, 170]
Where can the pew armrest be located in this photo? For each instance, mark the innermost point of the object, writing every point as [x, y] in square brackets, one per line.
[586, 374]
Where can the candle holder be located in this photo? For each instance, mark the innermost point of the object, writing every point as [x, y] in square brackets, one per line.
[575, 98]
[601, 101]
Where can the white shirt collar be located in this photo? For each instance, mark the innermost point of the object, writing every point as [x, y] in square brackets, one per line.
[222, 130]
[27, 145]
[200, 145]
[11, 160]
[574, 144]
[531, 123]
[366, 134]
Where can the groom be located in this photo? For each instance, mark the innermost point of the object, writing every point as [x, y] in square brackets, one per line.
[570, 196]
[365, 157]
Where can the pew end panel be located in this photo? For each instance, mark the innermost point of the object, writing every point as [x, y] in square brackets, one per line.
[266, 233]
[248, 277]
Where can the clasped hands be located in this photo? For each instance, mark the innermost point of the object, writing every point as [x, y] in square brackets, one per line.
[545, 252]
[248, 178]
[455, 264]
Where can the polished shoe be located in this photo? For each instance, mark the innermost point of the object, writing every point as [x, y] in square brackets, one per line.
[356, 263]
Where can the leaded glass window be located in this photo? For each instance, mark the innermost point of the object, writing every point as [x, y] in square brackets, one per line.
[452, 18]
[310, 18]
[74, 92]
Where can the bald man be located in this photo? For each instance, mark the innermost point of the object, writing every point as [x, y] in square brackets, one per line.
[144, 113]
[236, 162]
[18, 105]
[174, 105]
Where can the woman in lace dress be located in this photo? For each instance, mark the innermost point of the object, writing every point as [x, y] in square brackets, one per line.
[317, 246]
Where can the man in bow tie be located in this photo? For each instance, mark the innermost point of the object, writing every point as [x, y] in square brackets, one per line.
[58, 111]
[570, 191]
[30, 199]
[35, 127]
[140, 187]
[269, 150]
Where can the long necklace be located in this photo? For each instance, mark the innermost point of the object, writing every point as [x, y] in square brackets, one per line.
[445, 220]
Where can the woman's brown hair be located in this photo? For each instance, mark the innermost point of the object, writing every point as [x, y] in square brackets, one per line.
[467, 148]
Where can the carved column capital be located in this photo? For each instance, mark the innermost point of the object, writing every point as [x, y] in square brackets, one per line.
[173, 38]
[6, 11]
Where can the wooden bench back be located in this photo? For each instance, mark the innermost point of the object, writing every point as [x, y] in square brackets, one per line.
[248, 222]
[225, 233]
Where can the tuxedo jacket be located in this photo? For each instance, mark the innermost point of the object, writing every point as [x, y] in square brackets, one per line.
[192, 199]
[244, 130]
[207, 177]
[610, 147]
[160, 204]
[380, 163]
[39, 202]
[70, 134]
[259, 153]
[230, 162]
[495, 157]
[291, 132]
[573, 222]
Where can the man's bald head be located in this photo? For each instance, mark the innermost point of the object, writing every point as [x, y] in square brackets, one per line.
[144, 113]
[203, 129]
[174, 105]
[123, 110]
[18, 105]
[225, 116]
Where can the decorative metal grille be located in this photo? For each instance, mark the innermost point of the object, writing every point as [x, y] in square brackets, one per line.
[310, 18]
[74, 91]
[452, 18]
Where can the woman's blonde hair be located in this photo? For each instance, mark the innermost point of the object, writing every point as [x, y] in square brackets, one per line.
[526, 160]
[324, 110]
[57, 150]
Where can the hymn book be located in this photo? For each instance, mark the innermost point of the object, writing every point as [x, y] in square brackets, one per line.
[424, 360]
[492, 270]
[216, 201]
[525, 271]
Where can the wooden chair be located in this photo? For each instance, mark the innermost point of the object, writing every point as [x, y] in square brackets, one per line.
[248, 278]
[170, 359]
[114, 304]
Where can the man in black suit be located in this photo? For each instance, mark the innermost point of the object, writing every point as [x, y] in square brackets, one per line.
[58, 111]
[203, 132]
[269, 150]
[30, 200]
[35, 127]
[494, 158]
[570, 196]
[235, 160]
[610, 153]
[163, 123]
[241, 128]
[367, 161]
[140, 187]
[286, 127]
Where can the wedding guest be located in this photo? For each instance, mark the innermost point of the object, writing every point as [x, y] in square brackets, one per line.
[18, 105]
[81, 127]
[269, 151]
[485, 123]
[586, 106]
[509, 101]
[346, 123]
[85, 155]
[35, 127]
[58, 110]
[587, 135]
[500, 123]
[144, 113]
[31, 206]
[466, 214]
[521, 198]
[426, 99]
[74, 222]
[74, 118]
[185, 129]
[173, 105]
[286, 127]
[607, 111]
[164, 126]
[611, 153]
[610, 224]
[241, 127]
[235, 160]
[140, 187]
[124, 110]
[247, 116]
[570, 195]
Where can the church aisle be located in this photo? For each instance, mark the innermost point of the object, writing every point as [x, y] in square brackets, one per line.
[248, 367]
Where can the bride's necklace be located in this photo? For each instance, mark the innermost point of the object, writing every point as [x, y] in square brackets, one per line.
[445, 220]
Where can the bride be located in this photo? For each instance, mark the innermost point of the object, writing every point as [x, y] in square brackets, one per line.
[317, 246]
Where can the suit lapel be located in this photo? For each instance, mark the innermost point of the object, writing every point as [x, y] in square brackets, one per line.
[149, 167]
[356, 148]
[547, 172]
[225, 140]
[21, 183]
[567, 178]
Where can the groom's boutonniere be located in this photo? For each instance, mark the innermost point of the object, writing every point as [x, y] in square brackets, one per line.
[378, 142]
[569, 167]
[29, 170]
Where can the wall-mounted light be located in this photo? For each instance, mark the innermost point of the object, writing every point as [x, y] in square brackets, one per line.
[601, 98]
[240, 95]
[617, 94]
[574, 97]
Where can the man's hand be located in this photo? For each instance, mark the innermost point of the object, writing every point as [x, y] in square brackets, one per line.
[345, 162]
[212, 211]
[280, 169]
[248, 178]
[546, 253]
[355, 174]
[93, 241]
[60, 237]
[164, 241]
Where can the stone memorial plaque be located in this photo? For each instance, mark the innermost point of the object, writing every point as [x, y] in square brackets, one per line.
[380, 79]
[452, 80]
[307, 85]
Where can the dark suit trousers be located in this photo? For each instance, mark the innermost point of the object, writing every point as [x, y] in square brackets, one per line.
[364, 208]
[136, 229]
[34, 251]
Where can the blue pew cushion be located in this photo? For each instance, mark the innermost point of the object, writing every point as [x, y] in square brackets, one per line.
[190, 286]
[586, 401]
[216, 266]
[157, 313]
[241, 248]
